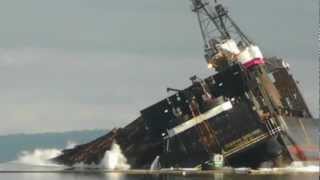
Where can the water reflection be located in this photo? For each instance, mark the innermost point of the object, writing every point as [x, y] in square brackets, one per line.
[55, 173]
[119, 176]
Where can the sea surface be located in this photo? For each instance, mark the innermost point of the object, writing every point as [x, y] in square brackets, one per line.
[17, 171]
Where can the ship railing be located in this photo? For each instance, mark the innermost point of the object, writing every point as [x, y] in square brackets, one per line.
[245, 144]
[272, 128]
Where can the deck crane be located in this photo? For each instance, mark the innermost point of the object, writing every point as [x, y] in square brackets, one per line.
[222, 37]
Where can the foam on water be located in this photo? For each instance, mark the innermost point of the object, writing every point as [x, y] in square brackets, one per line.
[296, 166]
[41, 157]
[112, 160]
[38, 157]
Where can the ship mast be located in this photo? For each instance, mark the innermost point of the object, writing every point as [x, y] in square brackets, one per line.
[216, 26]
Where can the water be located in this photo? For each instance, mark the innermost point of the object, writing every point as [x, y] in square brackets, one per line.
[35, 165]
[123, 176]
[18, 171]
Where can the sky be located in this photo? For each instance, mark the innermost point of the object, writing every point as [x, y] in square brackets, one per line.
[86, 64]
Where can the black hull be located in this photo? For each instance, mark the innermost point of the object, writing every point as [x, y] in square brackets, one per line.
[243, 135]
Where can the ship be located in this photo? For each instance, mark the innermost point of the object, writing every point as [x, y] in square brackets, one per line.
[250, 111]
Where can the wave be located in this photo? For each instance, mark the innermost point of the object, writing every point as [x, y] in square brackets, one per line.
[112, 160]
[38, 157]
[41, 156]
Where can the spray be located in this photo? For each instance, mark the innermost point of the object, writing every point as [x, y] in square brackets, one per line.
[38, 157]
[114, 159]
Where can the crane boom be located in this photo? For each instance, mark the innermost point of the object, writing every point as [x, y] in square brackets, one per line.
[216, 27]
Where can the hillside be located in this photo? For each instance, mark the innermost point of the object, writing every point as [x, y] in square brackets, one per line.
[12, 145]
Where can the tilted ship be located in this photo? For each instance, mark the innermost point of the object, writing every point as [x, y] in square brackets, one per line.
[250, 111]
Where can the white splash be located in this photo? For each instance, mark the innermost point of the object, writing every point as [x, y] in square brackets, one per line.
[155, 165]
[114, 159]
[299, 166]
[71, 144]
[38, 157]
[41, 157]
[296, 166]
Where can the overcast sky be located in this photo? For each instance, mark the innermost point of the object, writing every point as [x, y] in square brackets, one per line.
[83, 64]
